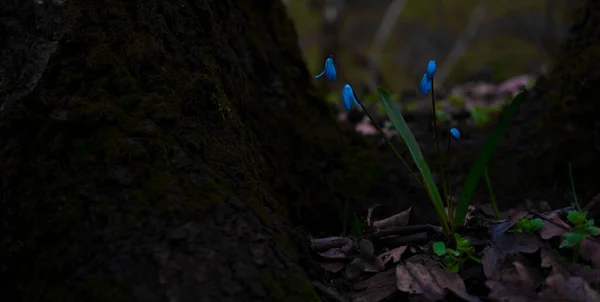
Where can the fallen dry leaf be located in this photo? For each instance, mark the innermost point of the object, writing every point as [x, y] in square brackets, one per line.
[554, 227]
[590, 251]
[333, 267]
[393, 255]
[354, 269]
[506, 244]
[515, 284]
[430, 280]
[375, 266]
[366, 249]
[568, 269]
[377, 288]
[335, 253]
[400, 219]
[558, 288]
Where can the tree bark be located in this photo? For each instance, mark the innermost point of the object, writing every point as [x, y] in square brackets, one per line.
[161, 150]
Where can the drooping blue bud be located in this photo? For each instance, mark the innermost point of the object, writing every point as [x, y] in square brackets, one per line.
[431, 67]
[425, 86]
[348, 98]
[455, 133]
[328, 71]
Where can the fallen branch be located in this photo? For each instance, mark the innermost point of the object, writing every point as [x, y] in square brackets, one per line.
[324, 244]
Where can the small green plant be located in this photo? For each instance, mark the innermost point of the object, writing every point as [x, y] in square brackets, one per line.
[456, 100]
[455, 216]
[443, 115]
[582, 228]
[480, 115]
[527, 225]
[453, 259]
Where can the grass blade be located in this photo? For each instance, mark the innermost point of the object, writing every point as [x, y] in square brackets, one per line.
[484, 156]
[400, 125]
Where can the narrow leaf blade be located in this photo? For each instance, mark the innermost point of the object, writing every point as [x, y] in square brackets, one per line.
[402, 128]
[484, 156]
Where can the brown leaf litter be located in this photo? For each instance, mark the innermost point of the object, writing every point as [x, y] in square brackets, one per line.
[393, 261]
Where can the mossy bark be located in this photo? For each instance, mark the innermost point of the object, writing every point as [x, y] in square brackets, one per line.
[158, 150]
[556, 125]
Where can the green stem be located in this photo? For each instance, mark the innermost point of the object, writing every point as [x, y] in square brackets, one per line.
[491, 190]
[437, 146]
[573, 188]
[450, 201]
[576, 251]
[412, 174]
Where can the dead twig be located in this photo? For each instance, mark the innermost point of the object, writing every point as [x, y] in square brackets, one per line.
[324, 244]
[396, 241]
[460, 46]
[400, 219]
[404, 230]
[383, 32]
[370, 213]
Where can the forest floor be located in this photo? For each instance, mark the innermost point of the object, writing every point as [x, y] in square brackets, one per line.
[391, 260]
[534, 252]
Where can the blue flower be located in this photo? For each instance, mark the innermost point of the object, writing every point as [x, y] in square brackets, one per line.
[329, 70]
[348, 98]
[455, 133]
[430, 72]
[426, 84]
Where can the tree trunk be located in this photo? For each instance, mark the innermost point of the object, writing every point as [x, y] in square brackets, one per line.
[158, 150]
[556, 125]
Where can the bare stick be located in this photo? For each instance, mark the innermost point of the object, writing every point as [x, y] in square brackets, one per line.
[383, 32]
[460, 46]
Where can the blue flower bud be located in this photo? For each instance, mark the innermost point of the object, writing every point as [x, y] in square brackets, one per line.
[329, 70]
[455, 133]
[426, 83]
[348, 98]
[430, 69]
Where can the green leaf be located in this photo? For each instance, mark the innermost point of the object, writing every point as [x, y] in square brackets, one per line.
[484, 156]
[442, 115]
[480, 115]
[535, 224]
[572, 239]
[402, 128]
[439, 248]
[525, 225]
[451, 264]
[592, 230]
[456, 100]
[453, 252]
[475, 259]
[462, 244]
[576, 218]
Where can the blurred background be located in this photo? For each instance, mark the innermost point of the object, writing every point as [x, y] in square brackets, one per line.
[484, 49]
